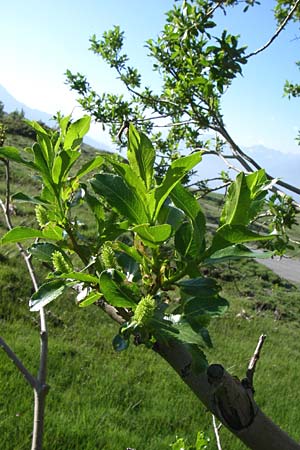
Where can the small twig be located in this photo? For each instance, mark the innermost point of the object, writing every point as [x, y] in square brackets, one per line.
[254, 359]
[277, 32]
[13, 357]
[216, 431]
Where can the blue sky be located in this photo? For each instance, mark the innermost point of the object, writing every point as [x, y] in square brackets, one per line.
[40, 40]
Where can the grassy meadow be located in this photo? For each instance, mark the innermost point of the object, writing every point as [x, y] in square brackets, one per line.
[100, 399]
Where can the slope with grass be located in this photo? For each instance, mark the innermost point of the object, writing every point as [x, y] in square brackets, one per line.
[103, 400]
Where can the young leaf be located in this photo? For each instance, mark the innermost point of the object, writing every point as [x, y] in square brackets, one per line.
[185, 201]
[20, 197]
[76, 132]
[63, 162]
[47, 293]
[90, 299]
[178, 169]
[244, 199]
[13, 154]
[89, 166]
[19, 234]
[141, 156]
[121, 197]
[154, 234]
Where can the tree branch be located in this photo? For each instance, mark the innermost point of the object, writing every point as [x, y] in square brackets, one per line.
[254, 359]
[216, 431]
[277, 32]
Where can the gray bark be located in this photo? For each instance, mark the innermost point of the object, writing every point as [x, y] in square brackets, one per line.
[230, 400]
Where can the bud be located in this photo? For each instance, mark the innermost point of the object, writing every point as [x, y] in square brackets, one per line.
[60, 263]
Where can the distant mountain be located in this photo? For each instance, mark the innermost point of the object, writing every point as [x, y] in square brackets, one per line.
[285, 166]
[282, 165]
[12, 104]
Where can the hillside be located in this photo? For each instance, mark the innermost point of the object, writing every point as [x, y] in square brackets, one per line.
[103, 400]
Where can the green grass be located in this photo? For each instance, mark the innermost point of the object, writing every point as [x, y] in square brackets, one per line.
[100, 399]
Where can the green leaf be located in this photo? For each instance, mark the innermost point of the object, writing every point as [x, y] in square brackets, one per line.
[119, 343]
[76, 132]
[186, 334]
[20, 197]
[43, 251]
[199, 287]
[62, 165]
[212, 306]
[46, 294]
[199, 361]
[154, 234]
[41, 162]
[80, 276]
[90, 299]
[244, 199]
[113, 290]
[141, 155]
[89, 166]
[120, 196]
[130, 251]
[13, 154]
[184, 238]
[185, 201]
[178, 169]
[236, 234]
[235, 252]
[19, 234]
[53, 232]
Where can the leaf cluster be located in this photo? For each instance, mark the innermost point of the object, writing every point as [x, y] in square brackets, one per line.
[145, 260]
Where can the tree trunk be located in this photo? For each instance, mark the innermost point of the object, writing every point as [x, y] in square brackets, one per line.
[230, 400]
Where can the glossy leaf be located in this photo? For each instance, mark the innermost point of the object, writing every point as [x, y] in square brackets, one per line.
[19, 234]
[75, 133]
[43, 251]
[119, 343]
[91, 298]
[116, 294]
[89, 166]
[212, 306]
[178, 169]
[244, 199]
[46, 294]
[80, 276]
[13, 154]
[185, 201]
[141, 155]
[154, 234]
[21, 197]
[183, 238]
[236, 252]
[199, 287]
[123, 198]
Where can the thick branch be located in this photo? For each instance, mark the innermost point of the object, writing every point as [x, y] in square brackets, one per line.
[228, 399]
[277, 32]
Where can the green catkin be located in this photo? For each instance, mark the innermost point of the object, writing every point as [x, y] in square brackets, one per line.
[2, 134]
[60, 263]
[108, 258]
[144, 310]
[41, 215]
